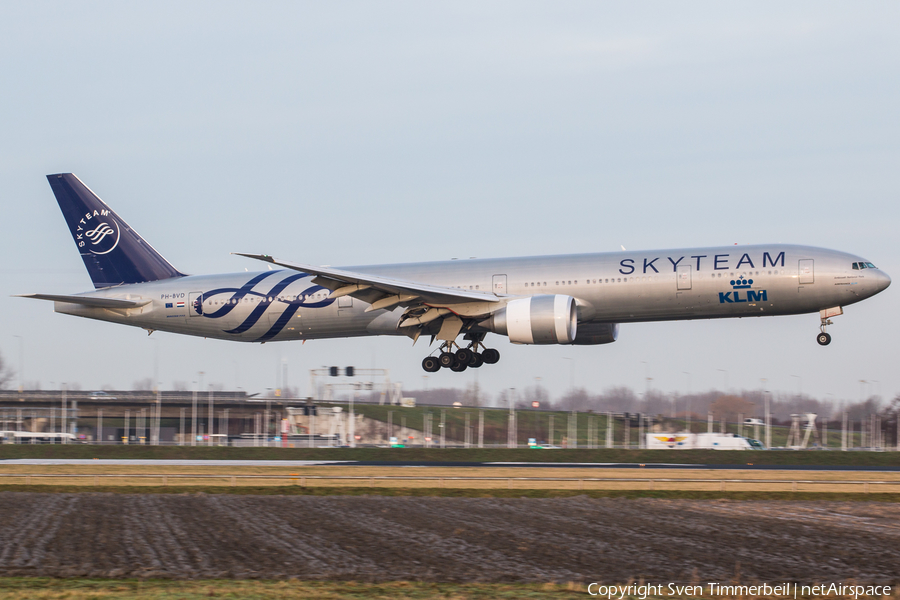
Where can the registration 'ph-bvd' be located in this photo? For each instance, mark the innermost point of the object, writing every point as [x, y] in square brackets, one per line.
[742, 286]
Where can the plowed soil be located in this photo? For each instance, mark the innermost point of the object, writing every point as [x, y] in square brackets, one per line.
[370, 538]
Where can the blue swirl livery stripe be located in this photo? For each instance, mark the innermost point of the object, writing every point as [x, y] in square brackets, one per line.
[237, 294]
[261, 308]
[293, 306]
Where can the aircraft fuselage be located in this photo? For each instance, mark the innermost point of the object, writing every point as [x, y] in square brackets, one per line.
[616, 287]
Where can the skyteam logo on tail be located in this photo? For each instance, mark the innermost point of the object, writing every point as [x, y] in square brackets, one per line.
[97, 232]
[742, 286]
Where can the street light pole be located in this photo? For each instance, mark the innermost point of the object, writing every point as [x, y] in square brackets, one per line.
[688, 406]
[21, 362]
[194, 416]
[725, 379]
[571, 372]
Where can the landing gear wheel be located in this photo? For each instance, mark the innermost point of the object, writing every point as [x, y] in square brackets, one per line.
[823, 338]
[446, 359]
[477, 360]
[459, 366]
[464, 356]
[431, 364]
[490, 356]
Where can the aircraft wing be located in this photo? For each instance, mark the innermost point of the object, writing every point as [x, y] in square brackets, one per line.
[89, 300]
[389, 291]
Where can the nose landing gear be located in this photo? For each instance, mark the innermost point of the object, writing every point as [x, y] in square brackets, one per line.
[824, 338]
[824, 320]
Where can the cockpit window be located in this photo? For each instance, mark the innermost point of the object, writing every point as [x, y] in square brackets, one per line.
[870, 266]
[856, 266]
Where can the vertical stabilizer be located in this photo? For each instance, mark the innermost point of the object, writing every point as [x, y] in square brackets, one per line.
[112, 251]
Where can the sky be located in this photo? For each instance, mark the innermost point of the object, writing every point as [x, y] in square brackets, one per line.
[366, 133]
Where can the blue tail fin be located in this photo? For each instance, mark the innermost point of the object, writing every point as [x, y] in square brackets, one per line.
[112, 251]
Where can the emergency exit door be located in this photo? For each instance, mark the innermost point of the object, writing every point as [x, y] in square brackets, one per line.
[195, 304]
[499, 287]
[807, 274]
[683, 275]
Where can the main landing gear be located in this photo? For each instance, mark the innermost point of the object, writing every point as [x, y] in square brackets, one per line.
[461, 359]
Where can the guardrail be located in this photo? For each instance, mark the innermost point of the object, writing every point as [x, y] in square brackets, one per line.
[303, 480]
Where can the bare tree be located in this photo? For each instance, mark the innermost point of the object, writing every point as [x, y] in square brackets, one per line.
[890, 415]
[863, 410]
[656, 403]
[534, 393]
[618, 399]
[143, 385]
[6, 373]
[576, 399]
[730, 407]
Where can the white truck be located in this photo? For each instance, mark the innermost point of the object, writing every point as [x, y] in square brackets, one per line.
[707, 441]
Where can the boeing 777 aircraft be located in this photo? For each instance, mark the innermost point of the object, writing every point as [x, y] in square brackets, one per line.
[573, 299]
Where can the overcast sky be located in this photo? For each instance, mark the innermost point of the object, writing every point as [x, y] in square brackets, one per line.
[349, 133]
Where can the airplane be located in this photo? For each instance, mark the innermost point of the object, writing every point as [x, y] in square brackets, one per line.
[569, 299]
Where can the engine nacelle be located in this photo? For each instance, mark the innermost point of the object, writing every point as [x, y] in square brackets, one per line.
[590, 334]
[542, 319]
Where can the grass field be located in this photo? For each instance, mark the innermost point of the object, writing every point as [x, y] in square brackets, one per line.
[472, 478]
[45, 588]
[772, 457]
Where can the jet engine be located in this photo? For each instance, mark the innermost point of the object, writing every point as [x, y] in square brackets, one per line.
[545, 319]
[596, 333]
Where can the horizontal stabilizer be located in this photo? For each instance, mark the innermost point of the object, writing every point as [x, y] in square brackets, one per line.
[89, 300]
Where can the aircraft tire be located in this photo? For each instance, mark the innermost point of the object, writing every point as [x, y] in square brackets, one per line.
[823, 338]
[491, 356]
[459, 367]
[446, 359]
[431, 364]
[464, 355]
[477, 360]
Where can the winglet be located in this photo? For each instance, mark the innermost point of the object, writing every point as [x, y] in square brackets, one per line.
[262, 257]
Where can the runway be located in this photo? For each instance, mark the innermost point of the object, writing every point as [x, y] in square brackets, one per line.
[433, 464]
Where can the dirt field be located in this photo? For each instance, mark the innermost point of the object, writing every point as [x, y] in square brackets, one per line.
[446, 477]
[445, 539]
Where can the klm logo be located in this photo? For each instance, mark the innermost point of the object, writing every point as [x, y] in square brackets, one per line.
[742, 293]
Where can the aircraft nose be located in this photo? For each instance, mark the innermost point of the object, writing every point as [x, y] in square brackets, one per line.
[883, 281]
